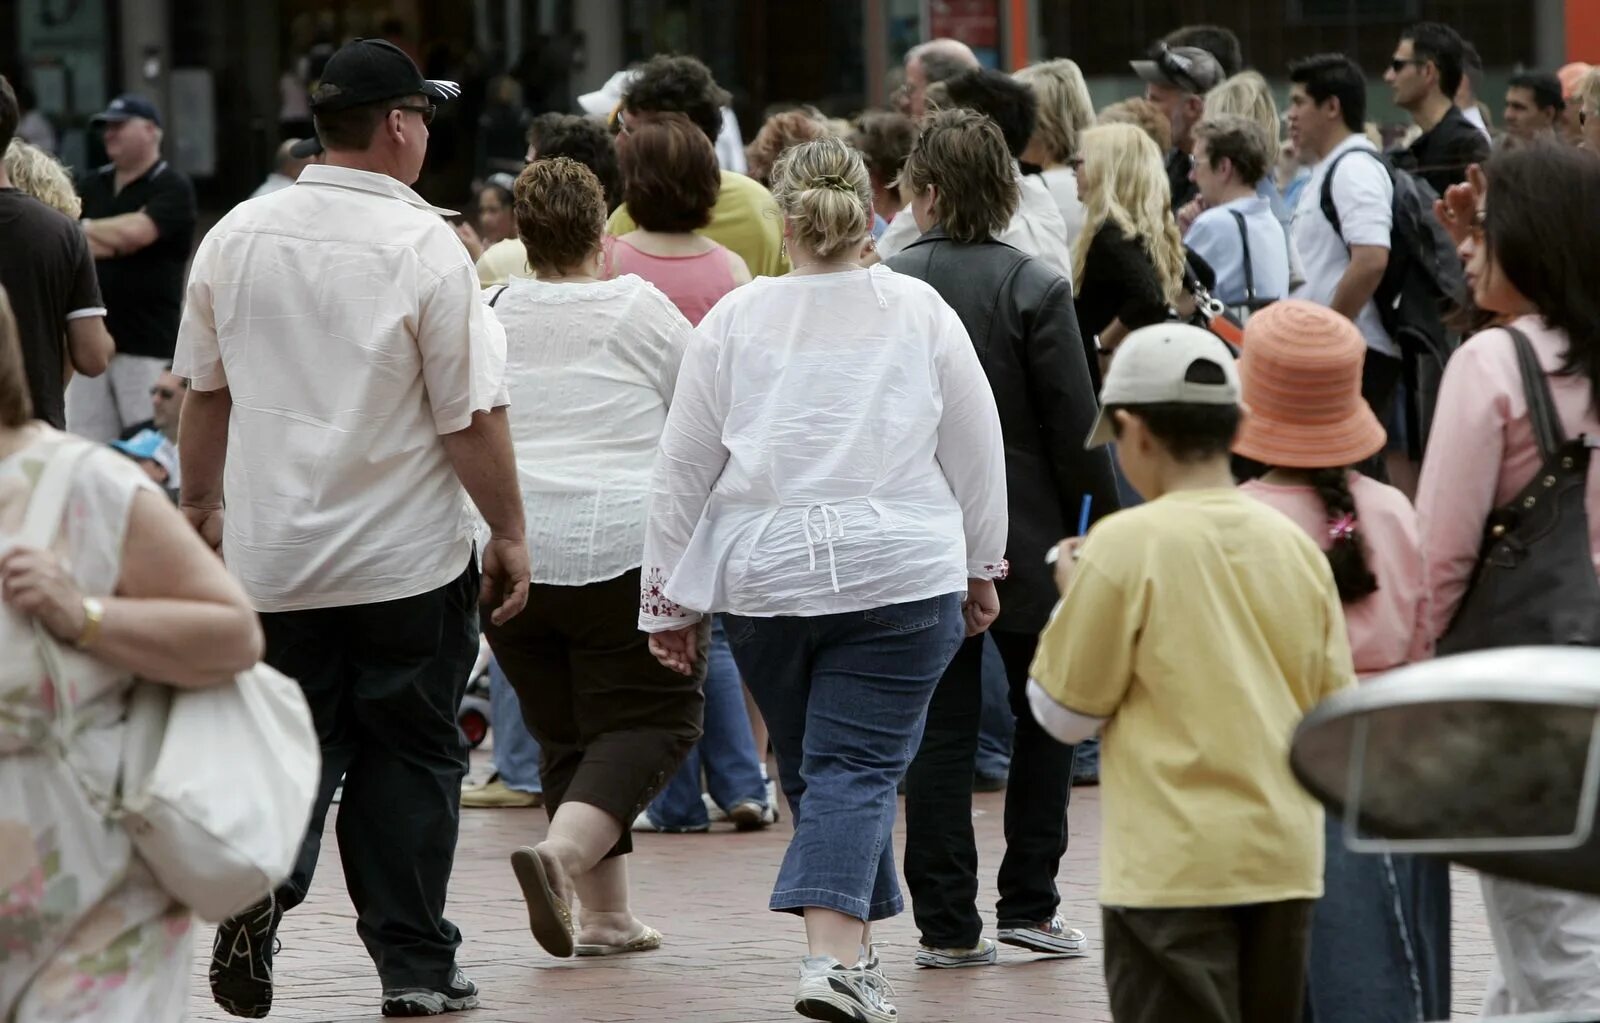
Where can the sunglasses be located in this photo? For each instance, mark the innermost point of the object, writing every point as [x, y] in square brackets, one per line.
[164, 393]
[1176, 65]
[1400, 64]
[427, 112]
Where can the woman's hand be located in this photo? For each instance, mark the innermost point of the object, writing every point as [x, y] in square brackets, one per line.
[34, 584]
[981, 607]
[1066, 561]
[1458, 209]
[677, 648]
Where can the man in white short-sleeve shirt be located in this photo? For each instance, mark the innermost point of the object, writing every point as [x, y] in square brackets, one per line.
[1342, 268]
[346, 397]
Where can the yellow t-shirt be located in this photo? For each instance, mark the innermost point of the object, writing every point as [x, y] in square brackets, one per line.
[745, 219]
[502, 261]
[1203, 625]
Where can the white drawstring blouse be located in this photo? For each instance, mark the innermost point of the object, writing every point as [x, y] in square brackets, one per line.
[833, 446]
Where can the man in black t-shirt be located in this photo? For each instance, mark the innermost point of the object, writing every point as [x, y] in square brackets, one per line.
[1425, 75]
[48, 274]
[139, 219]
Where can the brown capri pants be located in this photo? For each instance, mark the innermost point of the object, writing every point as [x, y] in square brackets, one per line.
[612, 723]
[1223, 964]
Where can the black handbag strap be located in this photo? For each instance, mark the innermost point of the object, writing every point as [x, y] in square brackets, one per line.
[1547, 430]
[497, 295]
[1249, 276]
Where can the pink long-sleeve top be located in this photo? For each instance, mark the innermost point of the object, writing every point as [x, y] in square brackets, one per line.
[1482, 452]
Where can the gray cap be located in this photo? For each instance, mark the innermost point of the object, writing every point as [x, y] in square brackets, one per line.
[1183, 67]
[1151, 367]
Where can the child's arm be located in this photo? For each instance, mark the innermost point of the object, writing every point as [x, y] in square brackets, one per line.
[1084, 663]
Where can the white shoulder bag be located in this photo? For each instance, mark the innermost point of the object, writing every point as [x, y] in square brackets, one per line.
[216, 784]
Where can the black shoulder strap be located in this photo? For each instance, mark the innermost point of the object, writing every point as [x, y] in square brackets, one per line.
[503, 289]
[1249, 275]
[1536, 387]
[1329, 210]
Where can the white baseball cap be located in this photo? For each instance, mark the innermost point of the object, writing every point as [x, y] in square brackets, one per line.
[608, 97]
[1155, 365]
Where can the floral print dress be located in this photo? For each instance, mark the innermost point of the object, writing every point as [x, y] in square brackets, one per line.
[85, 932]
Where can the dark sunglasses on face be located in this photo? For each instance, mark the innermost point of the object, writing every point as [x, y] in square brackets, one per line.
[1399, 64]
[427, 112]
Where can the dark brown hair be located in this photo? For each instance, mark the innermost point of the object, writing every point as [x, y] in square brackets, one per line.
[670, 177]
[581, 139]
[16, 406]
[1241, 141]
[351, 129]
[673, 84]
[561, 214]
[884, 138]
[10, 114]
[965, 155]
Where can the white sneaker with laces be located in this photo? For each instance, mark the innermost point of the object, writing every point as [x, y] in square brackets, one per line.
[836, 993]
[985, 953]
[1053, 937]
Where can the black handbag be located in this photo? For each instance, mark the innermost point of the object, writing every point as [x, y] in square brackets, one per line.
[1535, 584]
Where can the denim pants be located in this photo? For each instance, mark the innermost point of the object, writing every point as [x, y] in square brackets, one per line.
[845, 697]
[516, 751]
[726, 753]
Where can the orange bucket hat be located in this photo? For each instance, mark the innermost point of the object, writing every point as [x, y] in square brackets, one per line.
[1300, 377]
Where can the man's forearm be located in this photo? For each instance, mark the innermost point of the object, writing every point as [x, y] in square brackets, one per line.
[120, 235]
[1360, 281]
[203, 446]
[486, 465]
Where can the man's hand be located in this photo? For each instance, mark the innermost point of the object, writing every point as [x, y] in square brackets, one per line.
[676, 648]
[981, 607]
[507, 573]
[207, 521]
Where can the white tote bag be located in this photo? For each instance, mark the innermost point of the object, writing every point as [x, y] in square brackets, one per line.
[216, 784]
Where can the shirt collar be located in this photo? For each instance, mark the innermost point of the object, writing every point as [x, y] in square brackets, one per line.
[370, 182]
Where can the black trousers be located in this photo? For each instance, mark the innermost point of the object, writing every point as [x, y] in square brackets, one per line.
[384, 682]
[1221, 964]
[941, 862]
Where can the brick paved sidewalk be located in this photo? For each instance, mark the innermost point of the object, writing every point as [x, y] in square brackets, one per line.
[726, 959]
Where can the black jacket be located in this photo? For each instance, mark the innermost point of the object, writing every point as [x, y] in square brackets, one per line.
[1020, 317]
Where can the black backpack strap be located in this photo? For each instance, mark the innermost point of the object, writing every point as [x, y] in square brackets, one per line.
[1249, 275]
[1329, 210]
[503, 289]
[1547, 430]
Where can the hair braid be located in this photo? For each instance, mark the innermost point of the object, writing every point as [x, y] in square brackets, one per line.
[1348, 555]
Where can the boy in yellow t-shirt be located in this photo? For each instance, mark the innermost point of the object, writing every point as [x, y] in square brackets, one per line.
[1195, 631]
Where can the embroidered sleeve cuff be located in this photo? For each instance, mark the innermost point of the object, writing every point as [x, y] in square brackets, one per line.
[988, 569]
[656, 612]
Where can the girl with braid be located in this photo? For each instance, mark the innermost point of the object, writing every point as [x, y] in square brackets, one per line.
[1380, 935]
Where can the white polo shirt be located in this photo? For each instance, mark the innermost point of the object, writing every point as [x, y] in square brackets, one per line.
[1364, 197]
[343, 315]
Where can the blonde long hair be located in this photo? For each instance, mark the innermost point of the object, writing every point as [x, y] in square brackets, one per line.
[1124, 182]
[35, 172]
[1246, 94]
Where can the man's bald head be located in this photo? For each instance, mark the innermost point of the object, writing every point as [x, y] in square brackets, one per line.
[285, 162]
[936, 60]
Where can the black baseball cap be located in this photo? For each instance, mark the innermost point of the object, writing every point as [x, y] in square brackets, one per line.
[125, 108]
[371, 71]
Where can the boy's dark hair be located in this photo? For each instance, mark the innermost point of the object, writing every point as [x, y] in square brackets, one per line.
[668, 84]
[1443, 45]
[1220, 42]
[584, 140]
[10, 114]
[1242, 141]
[1189, 432]
[999, 97]
[1334, 75]
[1546, 89]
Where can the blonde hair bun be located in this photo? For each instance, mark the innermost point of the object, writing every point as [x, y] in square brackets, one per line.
[823, 190]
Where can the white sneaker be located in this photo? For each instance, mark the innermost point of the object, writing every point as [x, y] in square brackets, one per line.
[714, 813]
[836, 993]
[1053, 937]
[749, 815]
[985, 953]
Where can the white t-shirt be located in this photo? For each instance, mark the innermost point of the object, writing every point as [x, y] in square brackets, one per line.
[1364, 197]
[590, 369]
[344, 317]
[833, 446]
[1062, 184]
[1037, 228]
[1214, 237]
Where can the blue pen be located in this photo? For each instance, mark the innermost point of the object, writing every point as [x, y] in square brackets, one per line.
[1083, 516]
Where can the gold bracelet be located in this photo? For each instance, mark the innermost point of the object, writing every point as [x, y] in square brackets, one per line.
[93, 613]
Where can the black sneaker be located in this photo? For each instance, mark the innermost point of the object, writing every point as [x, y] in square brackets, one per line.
[241, 960]
[459, 994]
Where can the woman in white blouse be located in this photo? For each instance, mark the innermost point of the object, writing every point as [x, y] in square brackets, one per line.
[831, 478]
[590, 366]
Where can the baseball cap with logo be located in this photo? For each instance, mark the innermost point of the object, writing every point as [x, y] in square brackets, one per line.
[1183, 67]
[371, 71]
[127, 107]
[1169, 363]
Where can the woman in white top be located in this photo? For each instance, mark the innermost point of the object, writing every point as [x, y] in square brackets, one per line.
[590, 366]
[831, 477]
[1065, 112]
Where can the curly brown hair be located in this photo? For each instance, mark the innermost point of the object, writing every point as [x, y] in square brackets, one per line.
[964, 154]
[782, 132]
[561, 214]
[1143, 114]
[670, 177]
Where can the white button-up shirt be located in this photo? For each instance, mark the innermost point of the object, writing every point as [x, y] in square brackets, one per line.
[833, 446]
[344, 317]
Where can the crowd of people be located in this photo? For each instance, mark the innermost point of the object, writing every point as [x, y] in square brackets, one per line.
[987, 420]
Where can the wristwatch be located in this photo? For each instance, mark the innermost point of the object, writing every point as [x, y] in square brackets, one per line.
[93, 612]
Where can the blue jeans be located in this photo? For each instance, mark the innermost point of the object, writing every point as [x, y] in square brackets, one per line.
[997, 725]
[845, 697]
[727, 751]
[516, 751]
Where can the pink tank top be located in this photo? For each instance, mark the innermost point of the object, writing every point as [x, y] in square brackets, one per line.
[693, 283]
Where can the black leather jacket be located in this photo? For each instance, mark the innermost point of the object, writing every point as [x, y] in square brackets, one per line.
[1020, 317]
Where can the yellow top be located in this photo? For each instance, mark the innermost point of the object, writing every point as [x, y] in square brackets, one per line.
[1203, 625]
[502, 261]
[745, 219]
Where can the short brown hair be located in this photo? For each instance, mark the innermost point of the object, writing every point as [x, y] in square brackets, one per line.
[782, 132]
[561, 213]
[16, 405]
[965, 155]
[670, 177]
[884, 139]
[1241, 141]
[1141, 113]
[351, 129]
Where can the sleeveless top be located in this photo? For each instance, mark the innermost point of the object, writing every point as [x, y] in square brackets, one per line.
[693, 283]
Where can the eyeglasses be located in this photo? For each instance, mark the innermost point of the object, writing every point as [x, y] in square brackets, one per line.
[427, 112]
[164, 393]
[1399, 64]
